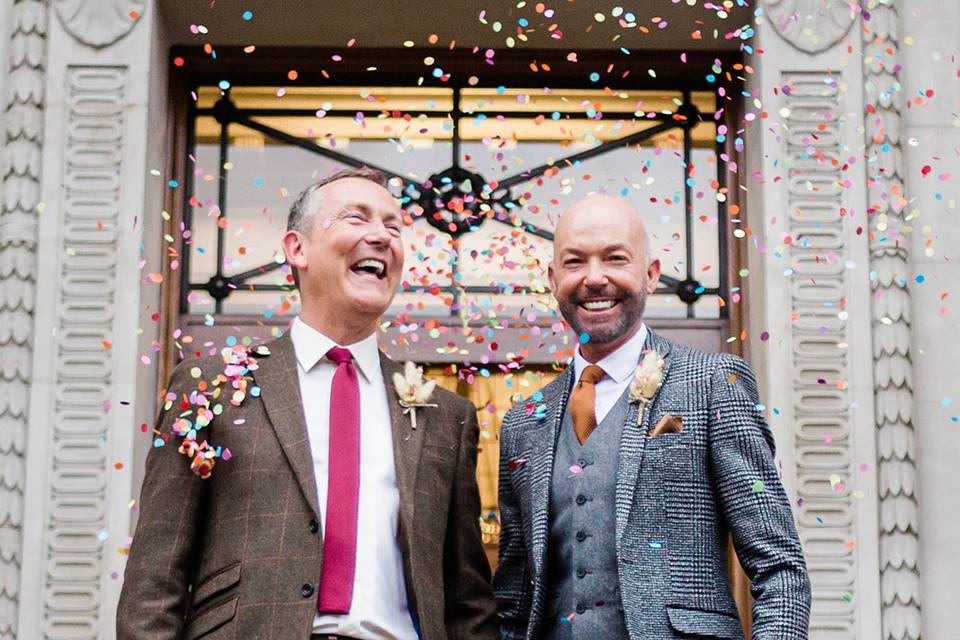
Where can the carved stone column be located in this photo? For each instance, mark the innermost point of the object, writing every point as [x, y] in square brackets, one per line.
[23, 146]
[89, 390]
[807, 198]
[890, 273]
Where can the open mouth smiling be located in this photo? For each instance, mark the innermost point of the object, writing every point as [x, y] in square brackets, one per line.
[596, 306]
[370, 267]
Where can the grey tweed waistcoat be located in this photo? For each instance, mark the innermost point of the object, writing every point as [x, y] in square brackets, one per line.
[583, 600]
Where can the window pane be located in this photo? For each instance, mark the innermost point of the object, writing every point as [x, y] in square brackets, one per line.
[503, 133]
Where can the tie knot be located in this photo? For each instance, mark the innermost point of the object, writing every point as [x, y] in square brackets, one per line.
[592, 374]
[340, 355]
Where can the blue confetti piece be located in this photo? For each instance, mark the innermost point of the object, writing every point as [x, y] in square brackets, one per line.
[247, 16]
[584, 338]
[158, 442]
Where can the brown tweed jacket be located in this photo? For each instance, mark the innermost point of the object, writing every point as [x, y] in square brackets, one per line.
[238, 555]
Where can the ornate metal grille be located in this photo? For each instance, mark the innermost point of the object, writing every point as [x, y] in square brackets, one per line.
[459, 199]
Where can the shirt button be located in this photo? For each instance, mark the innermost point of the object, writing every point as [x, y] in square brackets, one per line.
[306, 590]
[581, 573]
[581, 499]
[581, 609]
[314, 527]
[581, 536]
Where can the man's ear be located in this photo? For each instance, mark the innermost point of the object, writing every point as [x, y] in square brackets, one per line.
[653, 275]
[294, 249]
[551, 277]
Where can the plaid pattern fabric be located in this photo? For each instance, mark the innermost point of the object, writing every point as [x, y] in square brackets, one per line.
[239, 555]
[678, 497]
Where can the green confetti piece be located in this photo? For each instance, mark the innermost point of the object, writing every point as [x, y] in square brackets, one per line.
[757, 486]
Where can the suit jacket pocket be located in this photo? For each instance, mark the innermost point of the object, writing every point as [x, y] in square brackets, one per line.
[703, 623]
[212, 619]
[667, 441]
[215, 584]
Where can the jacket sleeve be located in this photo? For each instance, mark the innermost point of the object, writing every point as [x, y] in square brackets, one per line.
[470, 608]
[160, 567]
[755, 505]
[510, 584]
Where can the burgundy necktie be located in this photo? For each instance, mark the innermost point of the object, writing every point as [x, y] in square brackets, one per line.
[343, 488]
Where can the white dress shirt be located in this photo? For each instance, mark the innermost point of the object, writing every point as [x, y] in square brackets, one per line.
[379, 607]
[619, 367]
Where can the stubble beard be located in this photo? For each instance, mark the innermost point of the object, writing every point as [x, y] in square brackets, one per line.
[631, 313]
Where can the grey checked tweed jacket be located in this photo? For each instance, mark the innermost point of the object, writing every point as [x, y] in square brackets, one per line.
[237, 556]
[677, 497]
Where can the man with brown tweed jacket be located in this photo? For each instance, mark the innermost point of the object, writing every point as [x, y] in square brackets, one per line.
[326, 507]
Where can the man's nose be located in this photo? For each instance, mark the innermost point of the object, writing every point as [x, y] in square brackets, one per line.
[595, 277]
[378, 233]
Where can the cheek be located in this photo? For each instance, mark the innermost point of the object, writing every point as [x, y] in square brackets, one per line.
[567, 286]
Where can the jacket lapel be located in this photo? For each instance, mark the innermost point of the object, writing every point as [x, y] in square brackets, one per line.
[540, 462]
[634, 439]
[280, 393]
[407, 446]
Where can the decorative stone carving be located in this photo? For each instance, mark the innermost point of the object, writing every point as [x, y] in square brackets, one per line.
[76, 515]
[823, 434]
[811, 25]
[99, 23]
[892, 372]
[18, 271]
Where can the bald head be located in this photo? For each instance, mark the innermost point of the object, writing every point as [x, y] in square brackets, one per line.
[600, 210]
[602, 272]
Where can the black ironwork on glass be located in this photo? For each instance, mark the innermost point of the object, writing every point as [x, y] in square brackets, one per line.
[447, 205]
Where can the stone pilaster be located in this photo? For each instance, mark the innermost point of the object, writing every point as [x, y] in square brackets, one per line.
[89, 390]
[23, 148]
[890, 317]
[807, 197]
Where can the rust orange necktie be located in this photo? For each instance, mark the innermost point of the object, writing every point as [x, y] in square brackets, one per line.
[583, 402]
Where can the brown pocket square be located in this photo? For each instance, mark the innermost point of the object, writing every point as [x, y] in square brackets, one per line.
[667, 424]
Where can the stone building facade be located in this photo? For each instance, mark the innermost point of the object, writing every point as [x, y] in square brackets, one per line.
[856, 374]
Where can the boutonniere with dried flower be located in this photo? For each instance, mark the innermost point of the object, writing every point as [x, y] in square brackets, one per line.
[413, 390]
[647, 378]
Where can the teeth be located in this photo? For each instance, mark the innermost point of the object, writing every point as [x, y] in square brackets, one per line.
[376, 264]
[598, 305]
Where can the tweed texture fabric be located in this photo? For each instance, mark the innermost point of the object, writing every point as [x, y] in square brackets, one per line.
[678, 496]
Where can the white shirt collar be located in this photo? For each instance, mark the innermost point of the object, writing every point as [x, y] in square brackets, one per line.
[311, 346]
[620, 364]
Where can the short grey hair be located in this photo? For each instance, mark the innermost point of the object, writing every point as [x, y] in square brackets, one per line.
[300, 210]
